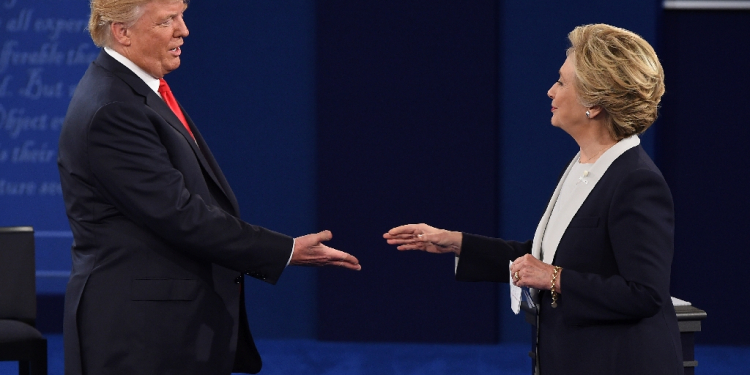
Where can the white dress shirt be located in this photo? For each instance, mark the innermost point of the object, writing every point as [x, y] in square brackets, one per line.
[152, 82]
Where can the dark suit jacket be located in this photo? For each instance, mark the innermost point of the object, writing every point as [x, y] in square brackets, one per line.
[159, 248]
[615, 314]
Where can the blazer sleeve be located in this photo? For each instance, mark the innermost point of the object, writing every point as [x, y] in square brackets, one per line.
[134, 171]
[486, 259]
[640, 225]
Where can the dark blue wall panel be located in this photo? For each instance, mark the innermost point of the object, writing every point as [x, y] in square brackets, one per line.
[407, 132]
[704, 157]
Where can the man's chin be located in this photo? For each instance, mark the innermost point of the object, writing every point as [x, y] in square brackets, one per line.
[172, 67]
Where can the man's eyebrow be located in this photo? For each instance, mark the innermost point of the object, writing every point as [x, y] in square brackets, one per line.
[168, 17]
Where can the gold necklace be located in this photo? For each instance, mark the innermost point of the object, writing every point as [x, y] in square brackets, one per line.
[595, 155]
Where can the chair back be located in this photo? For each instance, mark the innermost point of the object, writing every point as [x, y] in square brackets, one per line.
[17, 274]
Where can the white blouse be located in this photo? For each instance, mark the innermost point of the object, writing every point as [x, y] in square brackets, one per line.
[577, 177]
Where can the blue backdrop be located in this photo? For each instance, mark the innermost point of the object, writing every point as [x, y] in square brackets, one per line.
[44, 51]
[357, 116]
[407, 132]
[701, 150]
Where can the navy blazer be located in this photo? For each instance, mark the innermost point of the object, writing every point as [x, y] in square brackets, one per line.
[615, 314]
[159, 248]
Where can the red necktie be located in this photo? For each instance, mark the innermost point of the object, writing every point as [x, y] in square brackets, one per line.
[166, 94]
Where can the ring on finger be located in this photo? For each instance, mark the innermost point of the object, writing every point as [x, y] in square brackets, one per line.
[515, 275]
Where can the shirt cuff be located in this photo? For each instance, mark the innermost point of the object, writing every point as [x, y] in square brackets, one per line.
[292, 253]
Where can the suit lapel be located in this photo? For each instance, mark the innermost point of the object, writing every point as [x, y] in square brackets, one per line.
[570, 207]
[203, 152]
[536, 245]
[160, 107]
[199, 146]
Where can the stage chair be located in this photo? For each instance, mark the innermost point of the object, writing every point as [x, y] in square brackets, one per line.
[19, 339]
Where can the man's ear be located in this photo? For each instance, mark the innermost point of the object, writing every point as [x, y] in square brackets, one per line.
[594, 111]
[120, 33]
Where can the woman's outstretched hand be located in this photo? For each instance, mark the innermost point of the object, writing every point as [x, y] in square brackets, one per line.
[424, 237]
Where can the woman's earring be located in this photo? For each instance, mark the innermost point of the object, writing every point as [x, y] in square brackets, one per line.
[588, 114]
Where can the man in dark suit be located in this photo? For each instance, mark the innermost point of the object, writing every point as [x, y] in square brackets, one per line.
[160, 251]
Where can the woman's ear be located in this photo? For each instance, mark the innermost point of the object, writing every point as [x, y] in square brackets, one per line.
[593, 111]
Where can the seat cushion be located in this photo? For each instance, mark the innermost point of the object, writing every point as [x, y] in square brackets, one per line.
[13, 331]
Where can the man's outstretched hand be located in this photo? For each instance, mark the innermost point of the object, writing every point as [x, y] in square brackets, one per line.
[310, 251]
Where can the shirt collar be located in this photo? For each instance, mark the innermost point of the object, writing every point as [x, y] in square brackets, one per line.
[152, 82]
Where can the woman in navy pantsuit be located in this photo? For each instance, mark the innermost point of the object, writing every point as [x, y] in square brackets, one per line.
[600, 261]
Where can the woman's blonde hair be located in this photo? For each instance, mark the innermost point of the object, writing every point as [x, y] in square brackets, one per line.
[619, 71]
